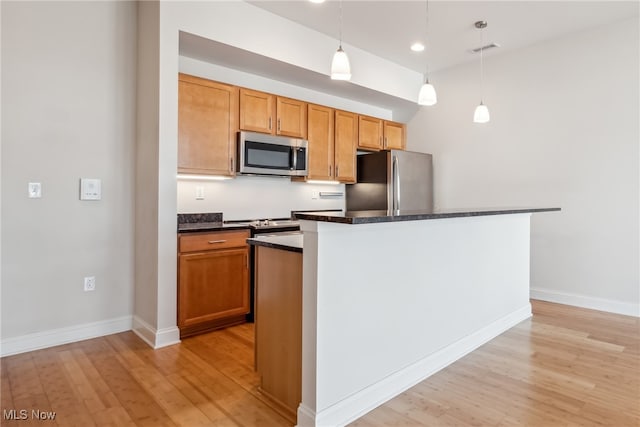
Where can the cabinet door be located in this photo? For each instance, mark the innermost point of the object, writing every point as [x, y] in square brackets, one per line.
[256, 111]
[212, 285]
[291, 117]
[278, 331]
[394, 136]
[345, 146]
[369, 133]
[320, 142]
[207, 126]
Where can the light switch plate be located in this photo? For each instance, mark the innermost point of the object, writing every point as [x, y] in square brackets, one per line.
[35, 190]
[90, 189]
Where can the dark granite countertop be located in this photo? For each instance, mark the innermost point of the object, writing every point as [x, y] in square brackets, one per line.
[193, 222]
[370, 217]
[290, 241]
[211, 226]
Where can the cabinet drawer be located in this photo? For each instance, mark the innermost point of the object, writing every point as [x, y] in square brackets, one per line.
[210, 241]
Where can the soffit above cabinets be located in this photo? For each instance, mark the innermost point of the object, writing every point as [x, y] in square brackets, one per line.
[203, 49]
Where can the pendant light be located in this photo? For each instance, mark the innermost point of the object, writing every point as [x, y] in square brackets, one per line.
[340, 68]
[427, 95]
[481, 115]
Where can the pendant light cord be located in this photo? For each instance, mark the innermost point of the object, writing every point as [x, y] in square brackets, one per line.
[481, 65]
[426, 42]
[340, 28]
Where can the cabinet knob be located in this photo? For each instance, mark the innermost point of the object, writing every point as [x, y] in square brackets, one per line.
[278, 125]
[269, 123]
[212, 242]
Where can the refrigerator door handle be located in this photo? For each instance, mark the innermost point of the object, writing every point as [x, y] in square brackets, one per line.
[396, 185]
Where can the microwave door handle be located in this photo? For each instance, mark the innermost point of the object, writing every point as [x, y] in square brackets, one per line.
[295, 158]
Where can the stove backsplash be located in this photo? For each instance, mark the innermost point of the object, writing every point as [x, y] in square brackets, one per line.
[247, 197]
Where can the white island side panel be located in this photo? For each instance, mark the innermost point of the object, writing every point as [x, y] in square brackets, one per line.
[383, 298]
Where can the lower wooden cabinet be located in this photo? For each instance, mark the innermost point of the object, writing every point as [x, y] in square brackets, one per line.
[213, 280]
[279, 328]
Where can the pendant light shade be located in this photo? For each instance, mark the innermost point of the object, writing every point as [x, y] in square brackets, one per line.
[427, 95]
[340, 67]
[481, 115]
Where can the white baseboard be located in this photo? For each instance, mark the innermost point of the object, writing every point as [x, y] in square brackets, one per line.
[358, 404]
[156, 338]
[53, 337]
[306, 417]
[601, 304]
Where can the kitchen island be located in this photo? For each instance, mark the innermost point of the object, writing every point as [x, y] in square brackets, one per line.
[390, 298]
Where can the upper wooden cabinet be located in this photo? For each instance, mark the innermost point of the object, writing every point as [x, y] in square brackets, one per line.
[346, 139]
[276, 115]
[377, 134]
[211, 113]
[333, 136]
[291, 117]
[257, 111]
[321, 142]
[207, 126]
[395, 136]
[370, 133]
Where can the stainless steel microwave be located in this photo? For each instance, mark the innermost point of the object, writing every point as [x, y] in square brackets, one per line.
[260, 154]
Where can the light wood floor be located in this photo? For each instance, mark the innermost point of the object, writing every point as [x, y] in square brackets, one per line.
[565, 367]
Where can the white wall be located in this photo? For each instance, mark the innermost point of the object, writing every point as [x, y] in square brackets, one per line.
[249, 197]
[0, 176]
[563, 132]
[68, 111]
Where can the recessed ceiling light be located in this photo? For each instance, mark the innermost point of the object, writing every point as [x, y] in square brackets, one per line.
[417, 47]
[316, 1]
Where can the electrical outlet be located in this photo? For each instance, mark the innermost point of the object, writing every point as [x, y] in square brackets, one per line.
[315, 194]
[89, 283]
[35, 190]
[199, 192]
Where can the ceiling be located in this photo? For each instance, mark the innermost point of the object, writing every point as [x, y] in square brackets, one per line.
[387, 28]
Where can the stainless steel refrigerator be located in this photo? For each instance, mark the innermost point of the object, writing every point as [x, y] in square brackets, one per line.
[392, 180]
